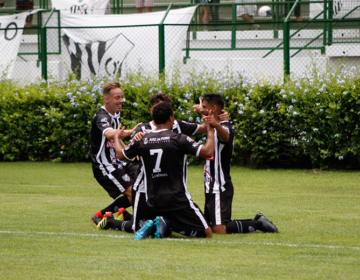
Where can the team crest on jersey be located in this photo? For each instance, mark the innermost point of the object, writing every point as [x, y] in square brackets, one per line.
[104, 120]
[189, 139]
[126, 178]
[110, 144]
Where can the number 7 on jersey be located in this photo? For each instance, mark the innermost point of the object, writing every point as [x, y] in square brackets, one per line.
[158, 153]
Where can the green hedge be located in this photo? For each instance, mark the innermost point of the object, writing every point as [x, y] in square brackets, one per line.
[310, 121]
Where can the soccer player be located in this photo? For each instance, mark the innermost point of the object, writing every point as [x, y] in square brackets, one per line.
[115, 176]
[163, 155]
[141, 210]
[219, 190]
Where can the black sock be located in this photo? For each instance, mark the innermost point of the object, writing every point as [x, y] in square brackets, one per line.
[127, 216]
[184, 230]
[121, 201]
[121, 225]
[242, 226]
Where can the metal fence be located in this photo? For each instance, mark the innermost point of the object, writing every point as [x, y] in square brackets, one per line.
[268, 39]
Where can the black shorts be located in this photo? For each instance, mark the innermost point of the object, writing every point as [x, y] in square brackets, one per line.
[25, 6]
[218, 206]
[141, 211]
[189, 217]
[119, 180]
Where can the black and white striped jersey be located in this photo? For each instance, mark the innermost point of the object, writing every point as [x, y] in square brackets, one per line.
[102, 150]
[163, 155]
[217, 168]
[178, 127]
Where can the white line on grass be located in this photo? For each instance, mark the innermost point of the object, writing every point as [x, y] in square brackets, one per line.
[181, 239]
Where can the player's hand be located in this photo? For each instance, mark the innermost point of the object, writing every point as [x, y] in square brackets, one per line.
[198, 107]
[210, 120]
[135, 158]
[120, 132]
[224, 116]
[138, 136]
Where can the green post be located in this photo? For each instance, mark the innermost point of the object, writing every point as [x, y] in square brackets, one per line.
[43, 45]
[286, 36]
[162, 42]
[118, 7]
[330, 27]
[286, 50]
[233, 26]
[43, 53]
[197, 15]
[325, 24]
[161, 48]
[122, 6]
[277, 13]
[39, 23]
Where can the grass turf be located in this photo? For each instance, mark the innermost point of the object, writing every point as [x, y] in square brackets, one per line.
[46, 231]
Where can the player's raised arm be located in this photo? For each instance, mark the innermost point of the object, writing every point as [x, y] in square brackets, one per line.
[221, 132]
[224, 116]
[110, 133]
[207, 151]
[198, 108]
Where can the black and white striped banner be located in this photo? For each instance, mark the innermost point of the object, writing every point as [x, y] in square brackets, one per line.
[11, 29]
[341, 8]
[108, 44]
[82, 7]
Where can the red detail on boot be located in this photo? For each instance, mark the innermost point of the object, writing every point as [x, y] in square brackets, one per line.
[121, 210]
[107, 214]
[98, 214]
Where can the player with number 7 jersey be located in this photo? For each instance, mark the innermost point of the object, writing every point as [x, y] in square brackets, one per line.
[163, 155]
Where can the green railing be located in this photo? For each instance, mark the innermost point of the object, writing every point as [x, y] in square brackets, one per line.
[275, 23]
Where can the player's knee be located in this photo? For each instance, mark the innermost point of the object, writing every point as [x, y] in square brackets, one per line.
[219, 229]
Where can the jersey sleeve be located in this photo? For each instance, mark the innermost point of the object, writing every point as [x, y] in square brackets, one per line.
[188, 128]
[227, 126]
[103, 122]
[188, 145]
[132, 150]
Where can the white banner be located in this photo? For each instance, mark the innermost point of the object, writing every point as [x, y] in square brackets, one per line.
[128, 42]
[340, 9]
[83, 7]
[10, 38]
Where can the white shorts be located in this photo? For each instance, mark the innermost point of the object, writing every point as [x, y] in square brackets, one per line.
[144, 3]
[245, 9]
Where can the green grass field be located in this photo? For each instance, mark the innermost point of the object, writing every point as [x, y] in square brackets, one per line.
[46, 231]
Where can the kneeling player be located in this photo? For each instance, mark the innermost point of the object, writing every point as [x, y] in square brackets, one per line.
[163, 155]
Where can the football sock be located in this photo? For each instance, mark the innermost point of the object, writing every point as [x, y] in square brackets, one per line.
[121, 201]
[121, 225]
[127, 216]
[183, 230]
[242, 226]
